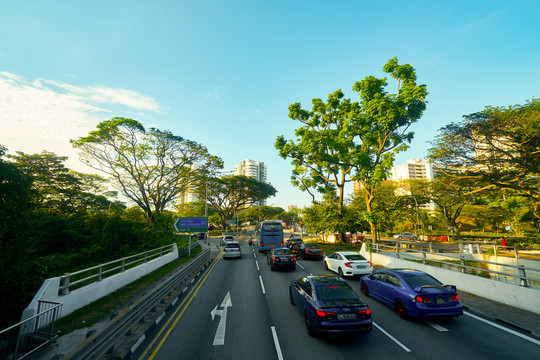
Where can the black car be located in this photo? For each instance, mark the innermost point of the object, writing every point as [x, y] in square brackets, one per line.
[294, 244]
[310, 251]
[330, 306]
[281, 258]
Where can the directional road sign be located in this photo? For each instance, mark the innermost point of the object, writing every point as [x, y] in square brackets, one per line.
[190, 224]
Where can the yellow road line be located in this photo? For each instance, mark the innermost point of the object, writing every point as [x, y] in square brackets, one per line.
[182, 307]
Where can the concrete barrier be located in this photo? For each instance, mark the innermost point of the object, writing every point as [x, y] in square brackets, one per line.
[518, 296]
[81, 297]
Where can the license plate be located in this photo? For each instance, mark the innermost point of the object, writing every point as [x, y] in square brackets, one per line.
[360, 266]
[346, 316]
[440, 300]
[272, 245]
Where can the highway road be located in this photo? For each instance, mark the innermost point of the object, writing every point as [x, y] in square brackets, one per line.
[239, 309]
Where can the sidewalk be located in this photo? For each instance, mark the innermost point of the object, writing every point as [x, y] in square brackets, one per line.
[506, 315]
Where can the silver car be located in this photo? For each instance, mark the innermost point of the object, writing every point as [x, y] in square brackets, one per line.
[232, 250]
[405, 236]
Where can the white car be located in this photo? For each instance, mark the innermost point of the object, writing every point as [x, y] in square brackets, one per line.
[232, 250]
[348, 263]
[226, 238]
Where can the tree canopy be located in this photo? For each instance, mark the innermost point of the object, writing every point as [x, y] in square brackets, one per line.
[494, 149]
[150, 167]
[340, 140]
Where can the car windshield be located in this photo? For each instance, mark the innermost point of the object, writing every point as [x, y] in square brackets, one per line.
[354, 257]
[421, 280]
[271, 227]
[282, 252]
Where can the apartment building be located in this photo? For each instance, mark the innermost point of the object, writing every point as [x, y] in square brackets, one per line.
[254, 169]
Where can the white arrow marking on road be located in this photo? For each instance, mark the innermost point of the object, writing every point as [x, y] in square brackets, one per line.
[219, 339]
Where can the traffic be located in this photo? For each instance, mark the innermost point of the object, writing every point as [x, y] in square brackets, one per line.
[243, 310]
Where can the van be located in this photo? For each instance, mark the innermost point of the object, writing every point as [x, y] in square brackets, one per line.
[269, 235]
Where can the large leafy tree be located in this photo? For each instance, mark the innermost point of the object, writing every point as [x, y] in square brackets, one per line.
[150, 167]
[340, 139]
[497, 149]
[57, 189]
[229, 195]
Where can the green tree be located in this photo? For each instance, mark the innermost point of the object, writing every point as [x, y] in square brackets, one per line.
[496, 149]
[150, 167]
[229, 195]
[340, 139]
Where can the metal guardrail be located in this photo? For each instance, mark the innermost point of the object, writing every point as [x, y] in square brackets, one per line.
[25, 338]
[103, 341]
[403, 249]
[98, 272]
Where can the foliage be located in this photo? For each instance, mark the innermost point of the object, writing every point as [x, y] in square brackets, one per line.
[229, 195]
[496, 149]
[151, 167]
[340, 139]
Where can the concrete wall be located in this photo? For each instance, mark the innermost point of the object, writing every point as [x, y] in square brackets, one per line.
[517, 296]
[90, 293]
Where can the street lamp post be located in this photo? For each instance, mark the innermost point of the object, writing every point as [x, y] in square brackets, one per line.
[418, 220]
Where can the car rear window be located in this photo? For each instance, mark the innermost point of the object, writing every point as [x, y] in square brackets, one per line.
[232, 246]
[283, 252]
[340, 291]
[354, 257]
[421, 280]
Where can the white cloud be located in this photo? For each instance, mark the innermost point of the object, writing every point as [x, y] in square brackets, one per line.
[45, 114]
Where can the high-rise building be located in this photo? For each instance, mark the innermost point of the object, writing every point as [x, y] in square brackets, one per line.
[190, 195]
[254, 169]
[414, 169]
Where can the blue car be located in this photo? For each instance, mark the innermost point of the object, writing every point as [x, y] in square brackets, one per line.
[330, 306]
[412, 293]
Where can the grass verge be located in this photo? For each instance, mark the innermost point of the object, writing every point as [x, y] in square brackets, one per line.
[94, 312]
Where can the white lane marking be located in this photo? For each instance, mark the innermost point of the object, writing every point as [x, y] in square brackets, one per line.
[262, 285]
[276, 343]
[257, 263]
[303, 268]
[518, 334]
[391, 337]
[436, 326]
[219, 339]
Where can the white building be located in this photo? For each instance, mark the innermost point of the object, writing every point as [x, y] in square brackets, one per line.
[254, 169]
[414, 169]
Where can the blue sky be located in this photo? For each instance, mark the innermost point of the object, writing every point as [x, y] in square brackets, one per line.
[223, 73]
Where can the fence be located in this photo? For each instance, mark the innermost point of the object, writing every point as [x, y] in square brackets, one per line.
[84, 277]
[30, 335]
[465, 257]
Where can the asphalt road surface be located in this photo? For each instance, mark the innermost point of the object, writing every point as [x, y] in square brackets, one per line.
[239, 309]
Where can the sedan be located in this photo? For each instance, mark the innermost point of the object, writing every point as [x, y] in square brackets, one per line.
[232, 250]
[281, 258]
[412, 293]
[226, 238]
[311, 251]
[348, 263]
[330, 306]
[405, 236]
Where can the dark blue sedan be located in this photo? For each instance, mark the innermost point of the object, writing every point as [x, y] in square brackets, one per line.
[330, 306]
[412, 293]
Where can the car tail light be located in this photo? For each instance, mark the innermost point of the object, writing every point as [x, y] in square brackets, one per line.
[275, 259]
[324, 313]
[370, 265]
[454, 298]
[348, 264]
[282, 243]
[421, 299]
[293, 258]
[262, 244]
[367, 312]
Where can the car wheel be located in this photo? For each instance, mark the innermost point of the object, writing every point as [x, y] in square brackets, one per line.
[400, 238]
[272, 266]
[340, 272]
[291, 297]
[294, 267]
[400, 308]
[326, 265]
[309, 328]
[364, 288]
